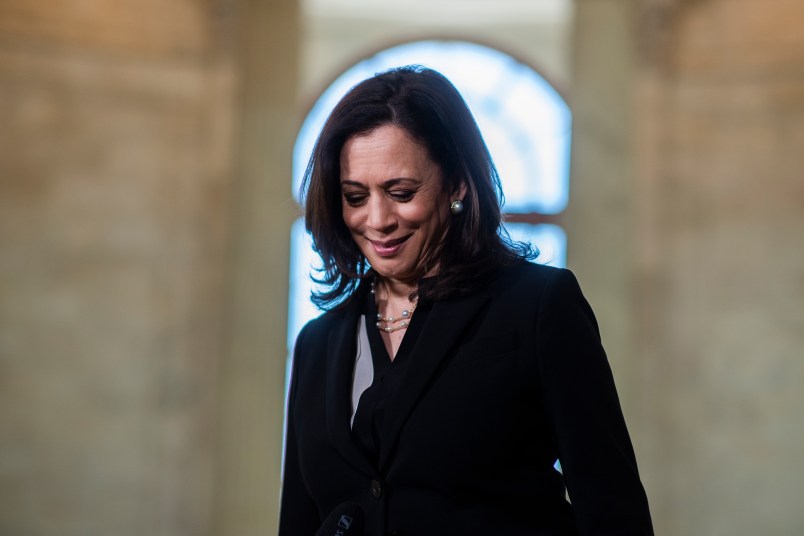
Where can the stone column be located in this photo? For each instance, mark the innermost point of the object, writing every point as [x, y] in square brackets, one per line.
[600, 213]
[252, 368]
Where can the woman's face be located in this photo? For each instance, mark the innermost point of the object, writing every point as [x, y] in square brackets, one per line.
[393, 201]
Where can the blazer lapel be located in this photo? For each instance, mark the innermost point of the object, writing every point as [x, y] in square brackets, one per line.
[341, 350]
[446, 323]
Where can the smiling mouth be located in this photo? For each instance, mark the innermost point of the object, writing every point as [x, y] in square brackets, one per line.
[388, 248]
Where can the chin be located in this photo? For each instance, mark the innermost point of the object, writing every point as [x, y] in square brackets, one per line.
[394, 272]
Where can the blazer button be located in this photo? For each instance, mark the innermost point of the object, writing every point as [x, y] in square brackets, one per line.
[376, 489]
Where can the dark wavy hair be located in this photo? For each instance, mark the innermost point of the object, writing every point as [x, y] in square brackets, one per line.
[427, 106]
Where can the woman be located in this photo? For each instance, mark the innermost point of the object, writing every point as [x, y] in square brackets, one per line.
[449, 374]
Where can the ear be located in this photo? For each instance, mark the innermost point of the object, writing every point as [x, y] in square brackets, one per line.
[459, 192]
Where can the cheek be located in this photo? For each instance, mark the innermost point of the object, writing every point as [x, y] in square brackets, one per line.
[350, 217]
[419, 215]
[427, 217]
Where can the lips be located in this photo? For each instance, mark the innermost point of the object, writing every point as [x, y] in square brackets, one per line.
[388, 248]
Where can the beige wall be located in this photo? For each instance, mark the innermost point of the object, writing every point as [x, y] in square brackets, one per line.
[144, 152]
[686, 220]
[144, 209]
[719, 124]
[335, 37]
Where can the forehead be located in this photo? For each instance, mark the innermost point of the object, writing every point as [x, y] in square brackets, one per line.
[385, 152]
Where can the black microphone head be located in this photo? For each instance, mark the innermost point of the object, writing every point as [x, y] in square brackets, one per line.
[347, 519]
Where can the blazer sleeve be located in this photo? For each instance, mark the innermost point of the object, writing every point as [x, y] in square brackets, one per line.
[298, 514]
[594, 448]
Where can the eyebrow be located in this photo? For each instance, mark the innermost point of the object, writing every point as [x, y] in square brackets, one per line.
[386, 184]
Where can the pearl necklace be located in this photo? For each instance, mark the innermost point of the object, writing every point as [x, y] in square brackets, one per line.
[404, 316]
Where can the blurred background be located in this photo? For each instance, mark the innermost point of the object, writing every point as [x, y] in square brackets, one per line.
[146, 206]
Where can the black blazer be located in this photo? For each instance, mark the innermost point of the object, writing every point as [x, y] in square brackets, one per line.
[499, 385]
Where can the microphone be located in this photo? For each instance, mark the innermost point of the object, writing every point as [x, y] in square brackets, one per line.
[347, 519]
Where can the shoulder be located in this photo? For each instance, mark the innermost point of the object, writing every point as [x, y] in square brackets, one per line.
[310, 349]
[318, 329]
[317, 334]
[529, 270]
[539, 290]
[533, 281]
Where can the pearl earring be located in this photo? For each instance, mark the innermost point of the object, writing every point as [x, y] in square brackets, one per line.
[456, 207]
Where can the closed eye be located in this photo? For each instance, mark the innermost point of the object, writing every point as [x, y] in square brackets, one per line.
[355, 199]
[401, 195]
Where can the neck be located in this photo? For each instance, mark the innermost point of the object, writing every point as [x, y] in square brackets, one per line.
[394, 289]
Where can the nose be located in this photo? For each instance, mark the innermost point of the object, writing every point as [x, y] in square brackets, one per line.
[381, 215]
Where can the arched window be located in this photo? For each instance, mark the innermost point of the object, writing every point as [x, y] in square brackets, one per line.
[526, 125]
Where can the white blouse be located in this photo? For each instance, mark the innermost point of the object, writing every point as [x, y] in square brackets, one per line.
[364, 366]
